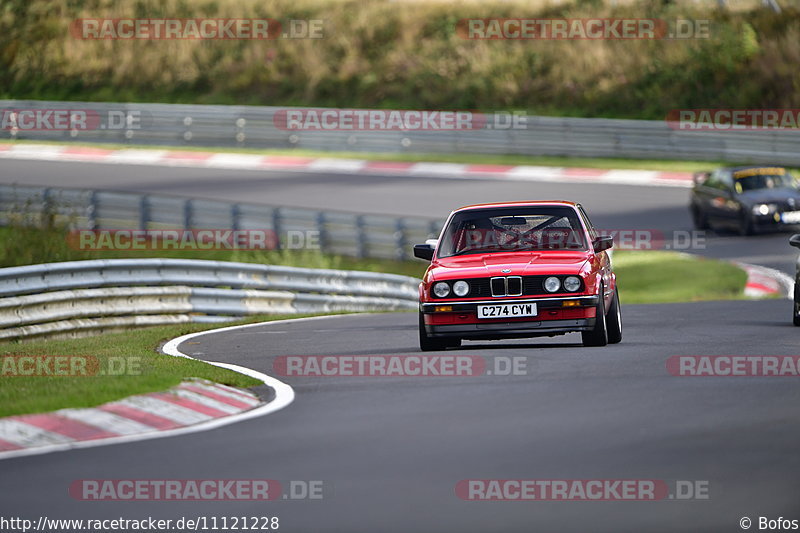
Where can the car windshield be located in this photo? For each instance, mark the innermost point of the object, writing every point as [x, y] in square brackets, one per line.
[764, 181]
[512, 229]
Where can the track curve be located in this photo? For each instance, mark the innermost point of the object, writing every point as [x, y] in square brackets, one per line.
[390, 450]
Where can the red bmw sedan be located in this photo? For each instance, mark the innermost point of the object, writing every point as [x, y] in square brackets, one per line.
[518, 270]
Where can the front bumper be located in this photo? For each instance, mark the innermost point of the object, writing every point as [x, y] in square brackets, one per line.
[562, 319]
[768, 222]
[471, 306]
[510, 330]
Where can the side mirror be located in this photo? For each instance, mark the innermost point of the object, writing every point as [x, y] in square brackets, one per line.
[603, 243]
[794, 240]
[699, 177]
[423, 251]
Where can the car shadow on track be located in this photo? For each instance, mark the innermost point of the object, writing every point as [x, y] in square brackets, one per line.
[527, 346]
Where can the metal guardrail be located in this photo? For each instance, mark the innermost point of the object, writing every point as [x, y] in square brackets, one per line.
[254, 127]
[79, 296]
[340, 233]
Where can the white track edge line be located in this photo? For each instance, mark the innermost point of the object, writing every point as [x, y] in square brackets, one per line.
[284, 395]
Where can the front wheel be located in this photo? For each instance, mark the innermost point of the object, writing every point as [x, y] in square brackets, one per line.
[431, 344]
[745, 225]
[598, 336]
[614, 320]
[699, 218]
[796, 306]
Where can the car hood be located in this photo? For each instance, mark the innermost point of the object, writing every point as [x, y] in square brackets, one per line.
[517, 263]
[766, 196]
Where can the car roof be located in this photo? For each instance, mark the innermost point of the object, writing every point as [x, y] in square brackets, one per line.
[549, 203]
[747, 167]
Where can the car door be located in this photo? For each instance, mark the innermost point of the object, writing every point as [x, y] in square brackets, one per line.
[713, 195]
[702, 193]
[726, 204]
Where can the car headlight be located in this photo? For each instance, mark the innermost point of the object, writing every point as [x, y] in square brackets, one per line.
[441, 289]
[552, 284]
[572, 283]
[763, 209]
[461, 288]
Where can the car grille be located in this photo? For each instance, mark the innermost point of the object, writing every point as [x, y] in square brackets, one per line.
[482, 287]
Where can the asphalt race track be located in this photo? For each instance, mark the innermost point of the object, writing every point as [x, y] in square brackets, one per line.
[613, 207]
[389, 451]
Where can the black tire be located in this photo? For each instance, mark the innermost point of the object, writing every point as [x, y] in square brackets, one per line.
[699, 218]
[614, 321]
[796, 306]
[430, 344]
[745, 225]
[453, 342]
[598, 336]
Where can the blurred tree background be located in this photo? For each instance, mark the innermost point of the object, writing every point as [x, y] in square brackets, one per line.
[396, 54]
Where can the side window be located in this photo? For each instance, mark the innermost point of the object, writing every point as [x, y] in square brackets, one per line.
[589, 225]
[714, 180]
[726, 181]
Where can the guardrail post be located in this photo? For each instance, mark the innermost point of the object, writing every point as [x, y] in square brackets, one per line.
[321, 229]
[48, 209]
[144, 212]
[276, 227]
[400, 239]
[361, 237]
[241, 136]
[91, 211]
[236, 217]
[188, 211]
[187, 134]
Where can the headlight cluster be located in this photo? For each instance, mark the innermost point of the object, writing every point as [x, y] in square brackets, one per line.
[570, 284]
[461, 288]
[442, 289]
[764, 209]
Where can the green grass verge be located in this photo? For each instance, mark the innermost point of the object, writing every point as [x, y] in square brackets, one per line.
[662, 277]
[129, 360]
[666, 165]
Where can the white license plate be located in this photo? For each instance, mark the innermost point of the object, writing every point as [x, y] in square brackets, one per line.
[791, 217]
[506, 310]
